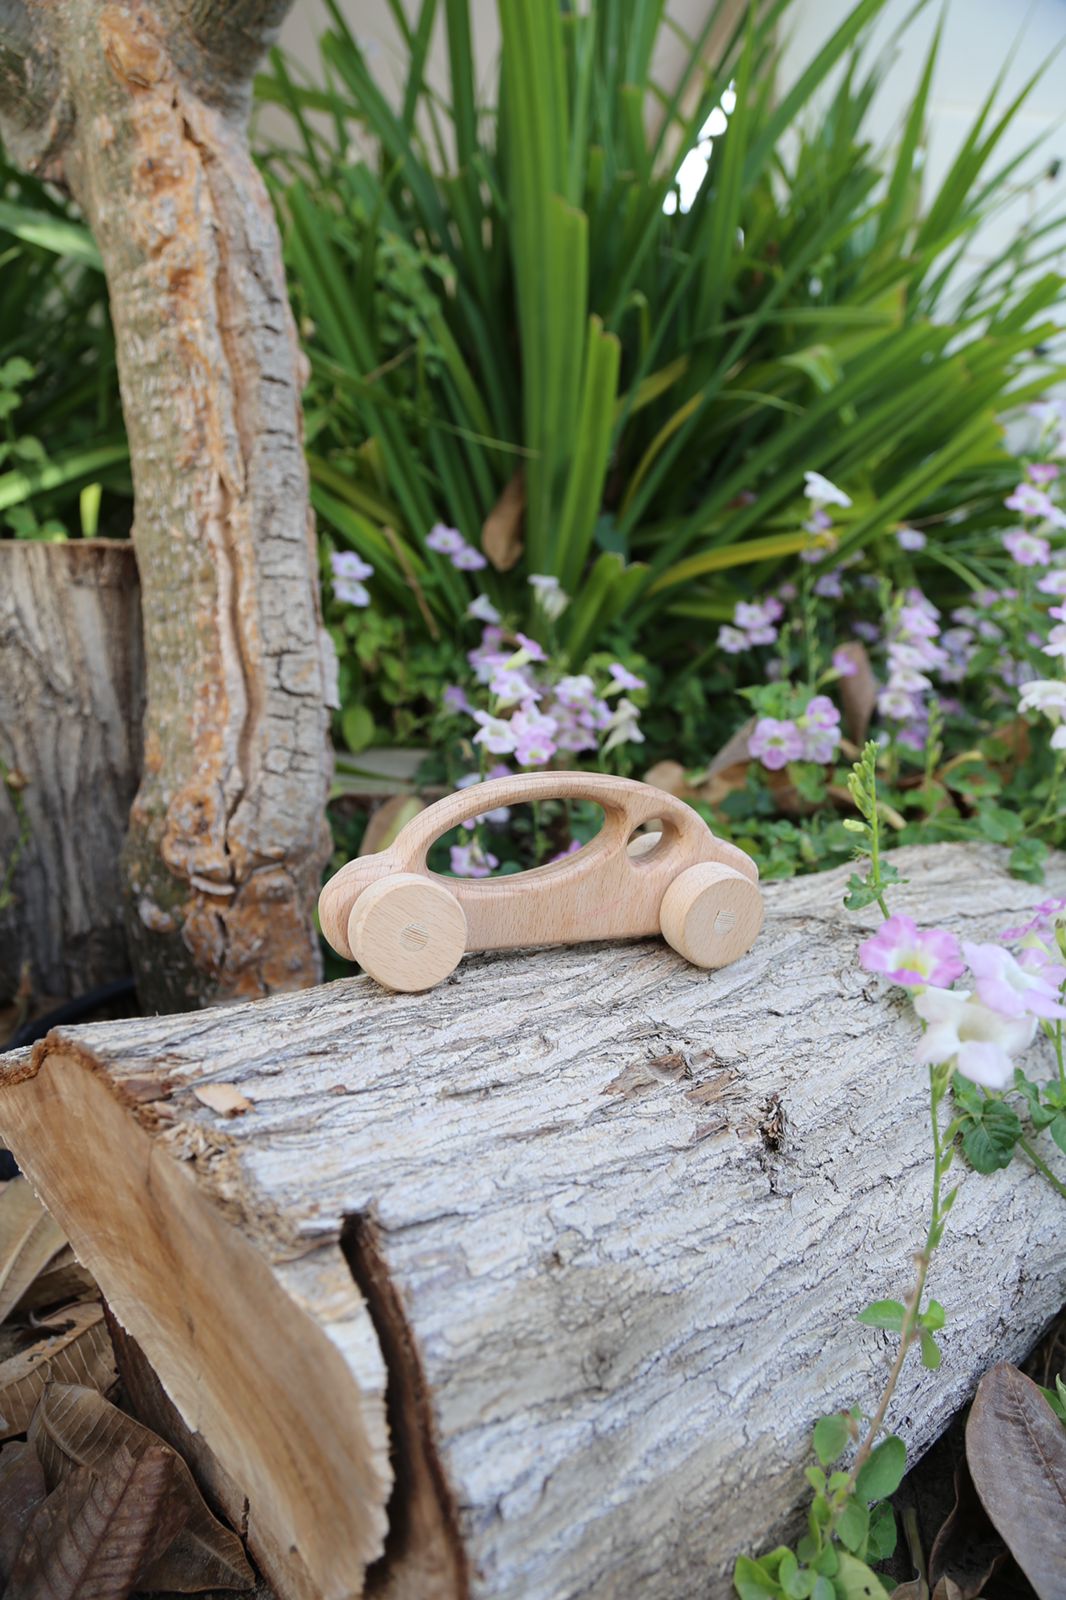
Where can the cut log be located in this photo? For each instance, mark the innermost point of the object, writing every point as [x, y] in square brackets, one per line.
[71, 703]
[603, 1219]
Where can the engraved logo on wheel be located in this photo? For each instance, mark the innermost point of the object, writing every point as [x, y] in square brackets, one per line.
[725, 922]
[414, 936]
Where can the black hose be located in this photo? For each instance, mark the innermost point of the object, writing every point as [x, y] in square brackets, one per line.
[82, 1005]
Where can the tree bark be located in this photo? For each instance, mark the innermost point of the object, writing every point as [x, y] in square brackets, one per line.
[71, 703]
[608, 1220]
[146, 126]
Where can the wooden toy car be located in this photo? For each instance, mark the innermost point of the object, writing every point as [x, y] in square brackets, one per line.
[408, 927]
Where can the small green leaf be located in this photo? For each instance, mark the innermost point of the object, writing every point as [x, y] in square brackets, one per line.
[1027, 859]
[357, 728]
[930, 1350]
[859, 894]
[990, 1138]
[882, 1539]
[1057, 1130]
[856, 1581]
[752, 1582]
[816, 1478]
[830, 1438]
[853, 1525]
[823, 1590]
[933, 1316]
[882, 1473]
[886, 1314]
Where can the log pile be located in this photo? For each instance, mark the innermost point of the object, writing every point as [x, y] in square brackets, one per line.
[534, 1285]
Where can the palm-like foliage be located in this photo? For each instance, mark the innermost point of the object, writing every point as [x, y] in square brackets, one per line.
[510, 287]
[61, 422]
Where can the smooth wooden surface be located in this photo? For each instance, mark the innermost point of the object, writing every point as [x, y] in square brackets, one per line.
[711, 914]
[71, 703]
[604, 891]
[610, 1219]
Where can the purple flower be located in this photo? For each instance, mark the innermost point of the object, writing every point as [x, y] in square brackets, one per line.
[467, 559]
[470, 861]
[775, 743]
[896, 705]
[623, 678]
[912, 956]
[910, 538]
[454, 698]
[1042, 471]
[533, 650]
[483, 609]
[844, 663]
[1030, 501]
[829, 586]
[346, 564]
[1053, 582]
[731, 640]
[445, 541]
[1008, 988]
[510, 685]
[571, 850]
[1027, 549]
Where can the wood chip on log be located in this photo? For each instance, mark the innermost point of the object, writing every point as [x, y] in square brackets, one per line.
[600, 1219]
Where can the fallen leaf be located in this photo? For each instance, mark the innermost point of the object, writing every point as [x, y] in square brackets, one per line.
[1016, 1450]
[22, 1490]
[224, 1098]
[29, 1239]
[76, 1427]
[670, 776]
[733, 752]
[73, 1346]
[386, 822]
[967, 1550]
[64, 1279]
[858, 693]
[98, 1531]
[501, 533]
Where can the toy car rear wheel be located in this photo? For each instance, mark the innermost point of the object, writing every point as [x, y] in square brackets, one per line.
[711, 914]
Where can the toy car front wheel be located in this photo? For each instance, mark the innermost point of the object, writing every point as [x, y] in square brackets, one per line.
[711, 914]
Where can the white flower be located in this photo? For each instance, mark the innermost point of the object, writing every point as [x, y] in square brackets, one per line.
[445, 541]
[510, 685]
[822, 492]
[624, 726]
[1056, 644]
[347, 564]
[495, 734]
[351, 592]
[982, 1043]
[483, 609]
[552, 599]
[1047, 695]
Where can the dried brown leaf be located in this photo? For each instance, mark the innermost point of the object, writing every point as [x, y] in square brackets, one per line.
[387, 820]
[967, 1550]
[501, 534]
[225, 1098]
[29, 1240]
[74, 1347]
[98, 1531]
[75, 1427]
[1016, 1450]
[858, 693]
[62, 1281]
[22, 1490]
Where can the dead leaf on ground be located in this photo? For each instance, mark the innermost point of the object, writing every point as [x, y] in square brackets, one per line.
[387, 820]
[76, 1427]
[72, 1346]
[99, 1531]
[225, 1098]
[967, 1550]
[22, 1490]
[501, 532]
[63, 1280]
[1016, 1450]
[858, 693]
[29, 1240]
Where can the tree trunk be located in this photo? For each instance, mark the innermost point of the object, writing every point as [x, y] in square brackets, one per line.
[71, 702]
[145, 122]
[608, 1220]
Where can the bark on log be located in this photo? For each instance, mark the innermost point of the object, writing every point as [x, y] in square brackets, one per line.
[609, 1219]
[140, 108]
[71, 703]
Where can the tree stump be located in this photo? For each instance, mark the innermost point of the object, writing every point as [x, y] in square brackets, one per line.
[71, 702]
[581, 1234]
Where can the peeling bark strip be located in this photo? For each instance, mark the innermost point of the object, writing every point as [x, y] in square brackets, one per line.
[71, 702]
[227, 834]
[609, 1220]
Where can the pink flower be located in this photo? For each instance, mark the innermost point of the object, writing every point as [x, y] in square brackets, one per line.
[1056, 642]
[910, 955]
[534, 752]
[844, 663]
[470, 861]
[731, 640]
[829, 586]
[1045, 915]
[775, 743]
[468, 559]
[1008, 988]
[533, 650]
[1034, 502]
[571, 850]
[1027, 549]
[510, 685]
[347, 564]
[495, 734]
[1042, 471]
[454, 699]
[1053, 582]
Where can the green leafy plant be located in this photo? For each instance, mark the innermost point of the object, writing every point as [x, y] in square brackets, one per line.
[515, 294]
